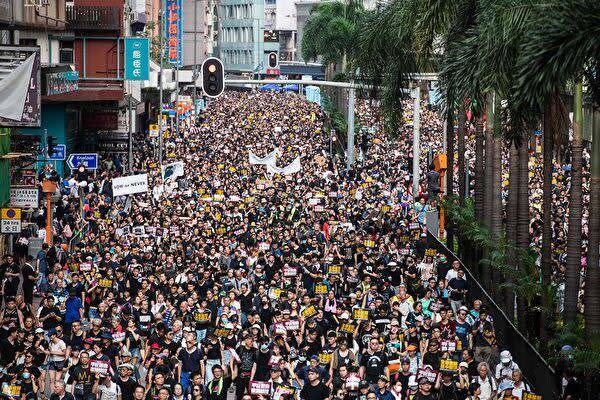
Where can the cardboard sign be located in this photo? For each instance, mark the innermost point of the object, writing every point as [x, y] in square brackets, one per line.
[264, 246]
[85, 266]
[288, 391]
[289, 272]
[325, 358]
[11, 390]
[369, 243]
[347, 327]
[99, 367]
[319, 208]
[431, 252]
[203, 316]
[105, 283]
[430, 374]
[531, 396]
[335, 269]
[320, 289]
[118, 336]
[448, 345]
[360, 314]
[414, 226]
[404, 239]
[448, 365]
[258, 388]
[222, 332]
[308, 312]
[138, 230]
[292, 325]
[279, 329]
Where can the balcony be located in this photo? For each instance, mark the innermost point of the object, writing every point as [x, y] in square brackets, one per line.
[96, 18]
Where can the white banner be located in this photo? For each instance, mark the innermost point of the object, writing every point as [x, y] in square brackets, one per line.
[291, 168]
[24, 197]
[172, 171]
[130, 185]
[270, 158]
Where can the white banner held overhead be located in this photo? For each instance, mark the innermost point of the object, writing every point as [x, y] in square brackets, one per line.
[130, 185]
[270, 158]
[172, 171]
[291, 168]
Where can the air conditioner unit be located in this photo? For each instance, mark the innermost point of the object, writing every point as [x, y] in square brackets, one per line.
[65, 56]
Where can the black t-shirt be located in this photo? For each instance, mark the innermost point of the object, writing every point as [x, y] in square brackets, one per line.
[28, 272]
[247, 357]
[83, 377]
[316, 392]
[8, 351]
[127, 387]
[374, 365]
[457, 286]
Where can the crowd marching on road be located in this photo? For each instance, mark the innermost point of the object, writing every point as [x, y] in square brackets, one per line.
[226, 279]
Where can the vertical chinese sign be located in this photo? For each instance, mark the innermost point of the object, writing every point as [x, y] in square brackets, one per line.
[173, 31]
[137, 56]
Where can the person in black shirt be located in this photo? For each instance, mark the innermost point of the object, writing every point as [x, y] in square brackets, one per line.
[217, 388]
[247, 366]
[126, 382]
[59, 392]
[315, 389]
[81, 378]
[29, 279]
[374, 362]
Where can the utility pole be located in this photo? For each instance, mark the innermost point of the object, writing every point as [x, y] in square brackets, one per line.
[416, 138]
[160, 80]
[195, 78]
[350, 159]
[130, 131]
[177, 98]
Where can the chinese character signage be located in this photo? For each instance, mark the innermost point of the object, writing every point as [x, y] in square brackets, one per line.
[137, 56]
[173, 31]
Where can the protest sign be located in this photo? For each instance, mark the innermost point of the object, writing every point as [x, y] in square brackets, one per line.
[429, 373]
[292, 325]
[449, 365]
[258, 388]
[130, 184]
[308, 312]
[360, 314]
[99, 367]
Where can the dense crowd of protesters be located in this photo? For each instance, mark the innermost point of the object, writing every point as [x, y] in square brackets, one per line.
[233, 282]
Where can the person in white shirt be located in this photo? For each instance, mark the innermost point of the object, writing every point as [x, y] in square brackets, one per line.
[106, 388]
[507, 366]
[519, 387]
[487, 383]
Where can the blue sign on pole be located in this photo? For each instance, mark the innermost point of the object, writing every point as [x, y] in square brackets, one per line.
[173, 31]
[58, 152]
[88, 160]
[137, 59]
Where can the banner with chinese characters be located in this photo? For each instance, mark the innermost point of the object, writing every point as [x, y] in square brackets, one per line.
[173, 31]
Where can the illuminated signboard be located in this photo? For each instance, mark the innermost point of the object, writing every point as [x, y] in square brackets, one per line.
[173, 31]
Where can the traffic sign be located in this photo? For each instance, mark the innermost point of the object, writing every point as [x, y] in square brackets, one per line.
[58, 152]
[10, 213]
[88, 160]
[11, 220]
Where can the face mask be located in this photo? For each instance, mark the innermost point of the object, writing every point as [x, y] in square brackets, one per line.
[26, 375]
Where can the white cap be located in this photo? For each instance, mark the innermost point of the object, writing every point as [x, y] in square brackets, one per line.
[505, 357]
[412, 381]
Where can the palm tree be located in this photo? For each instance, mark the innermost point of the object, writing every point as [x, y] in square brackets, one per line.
[331, 32]
[592, 296]
[563, 48]
[462, 132]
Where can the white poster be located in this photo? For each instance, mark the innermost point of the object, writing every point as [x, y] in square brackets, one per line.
[130, 185]
[172, 171]
[24, 197]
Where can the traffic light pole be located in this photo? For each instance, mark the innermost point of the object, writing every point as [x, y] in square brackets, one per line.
[350, 157]
[160, 80]
[416, 138]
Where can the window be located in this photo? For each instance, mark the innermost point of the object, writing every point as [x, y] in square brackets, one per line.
[27, 42]
[65, 52]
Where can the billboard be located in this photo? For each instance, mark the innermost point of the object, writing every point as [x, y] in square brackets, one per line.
[173, 31]
[31, 113]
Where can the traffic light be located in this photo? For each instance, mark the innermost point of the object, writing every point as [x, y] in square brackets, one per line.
[213, 77]
[272, 61]
[50, 145]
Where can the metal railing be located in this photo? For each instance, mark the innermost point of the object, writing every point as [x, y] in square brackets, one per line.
[95, 18]
[538, 373]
